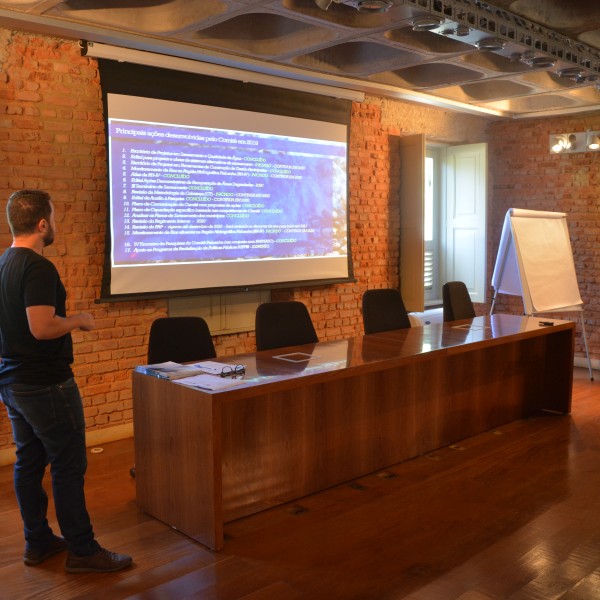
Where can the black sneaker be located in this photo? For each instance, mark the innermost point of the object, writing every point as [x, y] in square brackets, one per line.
[102, 561]
[35, 556]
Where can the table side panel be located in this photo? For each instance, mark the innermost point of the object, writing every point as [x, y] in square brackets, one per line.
[557, 367]
[178, 457]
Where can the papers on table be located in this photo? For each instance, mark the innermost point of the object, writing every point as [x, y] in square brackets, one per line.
[210, 382]
[210, 366]
[204, 375]
[169, 370]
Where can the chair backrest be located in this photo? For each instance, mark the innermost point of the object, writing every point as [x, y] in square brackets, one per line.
[384, 310]
[457, 302]
[280, 324]
[180, 339]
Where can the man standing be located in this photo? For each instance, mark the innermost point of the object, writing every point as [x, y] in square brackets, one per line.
[40, 394]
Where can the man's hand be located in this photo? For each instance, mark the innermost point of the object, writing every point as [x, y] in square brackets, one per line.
[87, 321]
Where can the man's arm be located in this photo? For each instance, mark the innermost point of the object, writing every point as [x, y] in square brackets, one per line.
[45, 324]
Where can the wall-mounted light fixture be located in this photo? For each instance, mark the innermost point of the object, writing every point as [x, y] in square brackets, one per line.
[564, 142]
[593, 140]
[568, 143]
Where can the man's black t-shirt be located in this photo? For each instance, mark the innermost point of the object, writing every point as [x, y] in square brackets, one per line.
[29, 279]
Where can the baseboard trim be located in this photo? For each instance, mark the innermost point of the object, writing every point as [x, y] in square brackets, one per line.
[582, 361]
[7, 456]
[109, 434]
[95, 437]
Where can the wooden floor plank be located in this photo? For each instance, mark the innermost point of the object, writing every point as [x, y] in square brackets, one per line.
[508, 514]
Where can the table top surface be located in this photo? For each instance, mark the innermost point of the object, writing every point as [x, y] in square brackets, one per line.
[382, 350]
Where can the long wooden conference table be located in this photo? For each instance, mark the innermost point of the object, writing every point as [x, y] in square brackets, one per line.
[310, 417]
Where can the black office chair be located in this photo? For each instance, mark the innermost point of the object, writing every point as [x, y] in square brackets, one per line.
[180, 339]
[384, 310]
[457, 302]
[280, 324]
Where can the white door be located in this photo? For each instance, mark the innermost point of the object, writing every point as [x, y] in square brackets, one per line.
[466, 202]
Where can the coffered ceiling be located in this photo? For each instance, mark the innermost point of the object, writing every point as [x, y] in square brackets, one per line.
[512, 58]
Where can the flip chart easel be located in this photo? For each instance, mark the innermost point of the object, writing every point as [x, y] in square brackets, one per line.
[535, 261]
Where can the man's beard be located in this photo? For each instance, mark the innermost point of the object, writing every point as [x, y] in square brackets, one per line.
[48, 236]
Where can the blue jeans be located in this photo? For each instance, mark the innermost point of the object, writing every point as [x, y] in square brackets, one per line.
[49, 427]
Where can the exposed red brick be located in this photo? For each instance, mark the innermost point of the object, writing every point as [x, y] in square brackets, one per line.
[52, 137]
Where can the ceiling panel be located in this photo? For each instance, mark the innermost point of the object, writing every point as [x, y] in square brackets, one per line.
[513, 58]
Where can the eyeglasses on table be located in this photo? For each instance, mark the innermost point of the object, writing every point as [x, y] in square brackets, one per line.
[236, 371]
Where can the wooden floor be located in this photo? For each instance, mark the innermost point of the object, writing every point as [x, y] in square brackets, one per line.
[510, 514]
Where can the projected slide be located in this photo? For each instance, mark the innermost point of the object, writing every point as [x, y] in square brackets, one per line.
[216, 195]
[264, 189]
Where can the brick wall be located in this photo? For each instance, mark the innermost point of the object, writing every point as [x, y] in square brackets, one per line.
[52, 137]
[524, 174]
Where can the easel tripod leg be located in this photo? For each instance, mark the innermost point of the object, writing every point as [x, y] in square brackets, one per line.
[587, 352]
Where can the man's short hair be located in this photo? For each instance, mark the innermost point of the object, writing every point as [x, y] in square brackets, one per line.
[25, 209]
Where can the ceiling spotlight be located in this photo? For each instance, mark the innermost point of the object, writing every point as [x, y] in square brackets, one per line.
[490, 44]
[527, 56]
[426, 23]
[458, 31]
[572, 73]
[593, 141]
[541, 62]
[375, 6]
